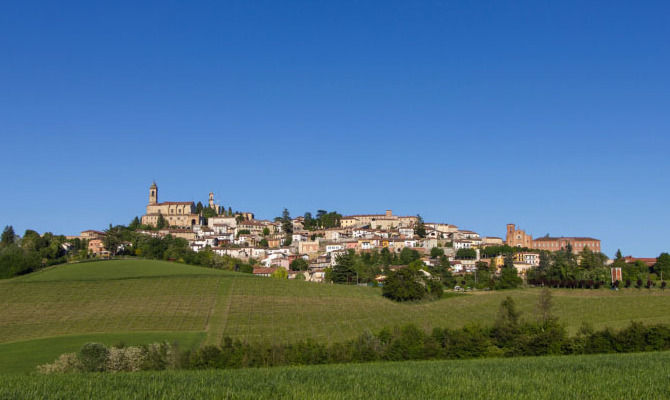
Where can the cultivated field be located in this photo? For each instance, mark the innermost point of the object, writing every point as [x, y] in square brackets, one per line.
[129, 297]
[616, 377]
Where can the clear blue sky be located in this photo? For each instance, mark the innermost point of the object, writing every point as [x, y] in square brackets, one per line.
[552, 115]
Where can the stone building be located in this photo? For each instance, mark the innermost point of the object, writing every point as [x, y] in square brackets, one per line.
[180, 214]
[381, 221]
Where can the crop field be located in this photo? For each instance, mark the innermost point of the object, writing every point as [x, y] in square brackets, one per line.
[334, 312]
[614, 376]
[140, 296]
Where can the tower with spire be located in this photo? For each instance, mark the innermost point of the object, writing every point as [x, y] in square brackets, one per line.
[153, 193]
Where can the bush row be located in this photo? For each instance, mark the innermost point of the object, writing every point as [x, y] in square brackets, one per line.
[409, 342]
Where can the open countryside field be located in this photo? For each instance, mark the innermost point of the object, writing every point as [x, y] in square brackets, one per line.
[616, 377]
[24, 356]
[129, 297]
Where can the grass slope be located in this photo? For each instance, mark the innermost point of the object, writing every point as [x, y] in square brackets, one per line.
[621, 376]
[24, 356]
[155, 296]
[116, 269]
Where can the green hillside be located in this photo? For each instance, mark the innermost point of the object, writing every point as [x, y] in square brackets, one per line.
[116, 269]
[138, 296]
[615, 377]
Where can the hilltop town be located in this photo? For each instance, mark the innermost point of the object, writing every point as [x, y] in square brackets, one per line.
[320, 239]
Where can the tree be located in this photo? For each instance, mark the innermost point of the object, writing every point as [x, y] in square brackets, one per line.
[545, 306]
[506, 326]
[266, 231]
[403, 285]
[436, 252]
[280, 273]
[299, 264]
[662, 265]
[198, 208]
[230, 211]
[508, 313]
[344, 270]
[328, 219]
[308, 222]
[134, 224]
[112, 239]
[263, 243]
[161, 223]
[420, 228]
[8, 236]
[463, 254]
[508, 278]
[286, 223]
[618, 255]
[208, 212]
[408, 255]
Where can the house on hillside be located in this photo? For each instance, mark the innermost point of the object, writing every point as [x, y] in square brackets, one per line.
[267, 272]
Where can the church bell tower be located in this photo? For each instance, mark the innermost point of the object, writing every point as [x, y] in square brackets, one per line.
[153, 193]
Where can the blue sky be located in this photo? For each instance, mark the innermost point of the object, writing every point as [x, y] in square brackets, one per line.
[552, 115]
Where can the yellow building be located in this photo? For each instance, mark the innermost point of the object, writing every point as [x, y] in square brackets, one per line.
[181, 214]
[383, 221]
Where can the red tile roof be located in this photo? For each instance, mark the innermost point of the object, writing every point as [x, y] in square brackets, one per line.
[263, 271]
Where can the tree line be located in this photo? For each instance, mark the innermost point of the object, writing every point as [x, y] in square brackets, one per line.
[21, 255]
[509, 336]
[402, 284]
[31, 252]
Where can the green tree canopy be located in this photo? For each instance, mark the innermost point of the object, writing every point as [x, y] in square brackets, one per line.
[299, 264]
[662, 265]
[420, 228]
[466, 254]
[403, 285]
[161, 222]
[344, 270]
[436, 252]
[286, 223]
[8, 236]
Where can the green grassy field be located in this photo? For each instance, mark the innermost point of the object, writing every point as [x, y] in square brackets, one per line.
[616, 377]
[116, 269]
[24, 356]
[135, 296]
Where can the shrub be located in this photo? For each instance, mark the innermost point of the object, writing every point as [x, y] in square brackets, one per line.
[159, 356]
[435, 289]
[125, 359]
[68, 362]
[93, 357]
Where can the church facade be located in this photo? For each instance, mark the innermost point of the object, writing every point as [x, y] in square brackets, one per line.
[180, 214]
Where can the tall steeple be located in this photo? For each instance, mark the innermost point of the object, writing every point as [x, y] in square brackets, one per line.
[153, 193]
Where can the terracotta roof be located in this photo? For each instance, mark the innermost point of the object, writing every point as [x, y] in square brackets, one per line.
[172, 203]
[94, 231]
[647, 260]
[262, 271]
[565, 238]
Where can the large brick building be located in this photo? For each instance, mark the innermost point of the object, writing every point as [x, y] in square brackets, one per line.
[519, 238]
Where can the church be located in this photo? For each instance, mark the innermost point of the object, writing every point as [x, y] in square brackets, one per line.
[179, 214]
